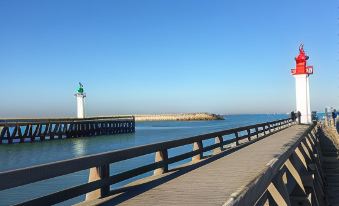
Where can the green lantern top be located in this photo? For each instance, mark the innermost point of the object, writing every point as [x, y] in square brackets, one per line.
[81, 88]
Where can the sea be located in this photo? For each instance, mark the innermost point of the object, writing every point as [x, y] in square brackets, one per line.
[23, 155]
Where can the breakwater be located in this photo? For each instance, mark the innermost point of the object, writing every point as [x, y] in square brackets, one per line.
[178, 117]
[31, 130]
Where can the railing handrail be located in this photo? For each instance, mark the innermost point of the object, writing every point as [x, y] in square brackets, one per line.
[23, 176]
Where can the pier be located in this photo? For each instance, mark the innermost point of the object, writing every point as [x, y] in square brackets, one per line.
[32, 130]
[277, 162]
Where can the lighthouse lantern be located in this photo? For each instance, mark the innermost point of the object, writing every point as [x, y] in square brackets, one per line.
[301, 63]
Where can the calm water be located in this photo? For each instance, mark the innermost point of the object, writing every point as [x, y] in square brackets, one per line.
[29, 154]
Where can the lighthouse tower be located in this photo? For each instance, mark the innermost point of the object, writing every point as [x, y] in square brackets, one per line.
[80, 95]
[302, 86]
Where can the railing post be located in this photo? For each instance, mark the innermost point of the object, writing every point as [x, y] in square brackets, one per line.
[2, 133]
[249, 134]
[236, 138]
[197, 146]
[278, 189]
[98, 173]
[218, 140]
[160, 156]
[257, 131]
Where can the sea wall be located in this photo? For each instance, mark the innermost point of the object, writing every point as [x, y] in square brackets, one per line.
[177, 117]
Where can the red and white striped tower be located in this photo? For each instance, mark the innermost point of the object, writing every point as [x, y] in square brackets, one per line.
[302, 86]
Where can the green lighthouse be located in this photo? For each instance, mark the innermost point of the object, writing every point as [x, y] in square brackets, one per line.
[80, 95]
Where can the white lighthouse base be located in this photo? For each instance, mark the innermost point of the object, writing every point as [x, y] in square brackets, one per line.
[303, 97]
[80, 105]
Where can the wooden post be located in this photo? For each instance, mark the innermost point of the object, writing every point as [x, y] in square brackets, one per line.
[51, 131]
[160, 156]
[15, 130]
[43, 131]
[197, 146]
[97, 173]
[218, 140]
[257, 131]
[22, 134]
[249, 134]
[1, 134]
[236, 138]
[278, 189]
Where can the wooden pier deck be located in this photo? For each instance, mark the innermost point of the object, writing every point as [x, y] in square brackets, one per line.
[272, 163]
[213, 181]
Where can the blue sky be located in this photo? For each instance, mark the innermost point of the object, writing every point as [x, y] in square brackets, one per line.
[161, 56]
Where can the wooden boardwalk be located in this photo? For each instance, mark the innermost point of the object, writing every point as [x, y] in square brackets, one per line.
[212, 181]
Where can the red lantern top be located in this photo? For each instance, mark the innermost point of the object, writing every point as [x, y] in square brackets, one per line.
[301, 61]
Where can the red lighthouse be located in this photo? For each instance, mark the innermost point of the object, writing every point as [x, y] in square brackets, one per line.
[302, 86]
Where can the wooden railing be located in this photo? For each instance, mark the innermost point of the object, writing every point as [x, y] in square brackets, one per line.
[23, 130]
[100, 178]
[293, 178]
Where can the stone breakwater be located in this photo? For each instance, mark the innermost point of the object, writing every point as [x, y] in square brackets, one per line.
[178, 117]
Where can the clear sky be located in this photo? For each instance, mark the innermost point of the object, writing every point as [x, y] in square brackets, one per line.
[161, 56]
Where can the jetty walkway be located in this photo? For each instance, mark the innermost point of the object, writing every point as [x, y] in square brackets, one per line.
[272, 163]
[215, 183]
